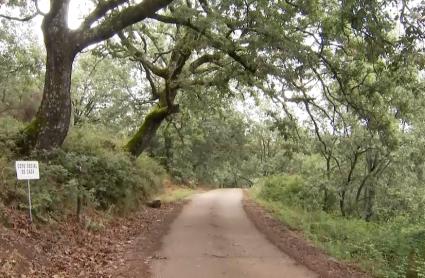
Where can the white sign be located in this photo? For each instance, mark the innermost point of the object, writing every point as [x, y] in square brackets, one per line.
[27, 170]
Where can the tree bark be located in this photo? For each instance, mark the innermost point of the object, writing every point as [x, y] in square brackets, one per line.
[54, 114]
[370, 196]
[342, 203]
[50, 126]
[141, 140]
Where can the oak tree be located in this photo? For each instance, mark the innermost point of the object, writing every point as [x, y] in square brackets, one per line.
[50, 126]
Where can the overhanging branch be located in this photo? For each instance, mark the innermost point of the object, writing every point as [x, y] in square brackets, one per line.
[115, 23]
[21, 19]
[218, 43]
[139, 55]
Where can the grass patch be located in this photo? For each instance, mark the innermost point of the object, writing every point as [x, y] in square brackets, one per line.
[177, 194]
[391, 249]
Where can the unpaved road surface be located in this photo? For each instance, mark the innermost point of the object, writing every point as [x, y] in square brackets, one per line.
[213, 237]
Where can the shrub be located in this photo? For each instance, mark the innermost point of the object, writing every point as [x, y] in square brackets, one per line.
[89, 139]
[291, 190]
[391, 249]
[281, 188]
[91, 168]
[9, 131]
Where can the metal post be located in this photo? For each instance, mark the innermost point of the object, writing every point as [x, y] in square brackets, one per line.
[29, 199]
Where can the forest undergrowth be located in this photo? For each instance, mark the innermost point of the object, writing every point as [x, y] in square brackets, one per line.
[393, 248]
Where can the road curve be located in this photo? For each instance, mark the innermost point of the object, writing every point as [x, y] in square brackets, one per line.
[213, 238]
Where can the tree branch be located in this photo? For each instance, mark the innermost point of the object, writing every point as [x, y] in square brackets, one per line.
[118, 22]
[37, 7]
[139, 56]
[22, 19]
[155, 94]
[218, 43]
[101, 9]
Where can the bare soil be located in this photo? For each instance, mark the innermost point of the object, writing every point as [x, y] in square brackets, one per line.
[118, 247]
[296, 246]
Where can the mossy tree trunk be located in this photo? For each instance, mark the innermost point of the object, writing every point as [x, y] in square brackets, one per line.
[153, 120]
[175, 72]
[166, 97]
[143, 137]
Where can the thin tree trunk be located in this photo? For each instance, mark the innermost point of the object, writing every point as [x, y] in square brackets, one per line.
[342, 203]
[369, 202]
[168, 145]
[326, 198]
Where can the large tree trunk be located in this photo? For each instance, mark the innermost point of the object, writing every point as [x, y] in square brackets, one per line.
[50, 126]
[53, 117]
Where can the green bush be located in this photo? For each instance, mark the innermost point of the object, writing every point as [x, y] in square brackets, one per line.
[284, 189]
[9, 131]
[391, 249]
[291, 190]
[89, 139]
[91, 167]
[103, 180]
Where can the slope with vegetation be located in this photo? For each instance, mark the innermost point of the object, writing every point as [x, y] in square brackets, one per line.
[318, 104]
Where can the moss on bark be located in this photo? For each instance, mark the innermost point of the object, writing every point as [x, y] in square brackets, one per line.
[28, 139]
[143, 136]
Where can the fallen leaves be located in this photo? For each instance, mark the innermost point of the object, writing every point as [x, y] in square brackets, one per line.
[68, 249]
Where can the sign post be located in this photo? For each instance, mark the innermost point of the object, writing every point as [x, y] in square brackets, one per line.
[28, 170]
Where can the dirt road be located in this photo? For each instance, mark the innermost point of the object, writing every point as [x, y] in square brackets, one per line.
[214, 238]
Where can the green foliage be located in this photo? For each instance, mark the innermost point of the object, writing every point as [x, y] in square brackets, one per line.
[103, 92]
[92, 139]
[340, 89]
[200, 146]
[390, 249]
[284, 189]
[20, 71]
[9, 132]
[177, 194]
[303, 186]
[89, 167]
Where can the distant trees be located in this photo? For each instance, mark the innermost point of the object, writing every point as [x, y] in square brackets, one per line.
[104, 91]
[21, 72]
